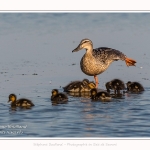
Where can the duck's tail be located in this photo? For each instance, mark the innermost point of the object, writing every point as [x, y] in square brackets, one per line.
[130, 62]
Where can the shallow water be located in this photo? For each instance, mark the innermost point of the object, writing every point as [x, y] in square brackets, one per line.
[80, 117]
[36, 57]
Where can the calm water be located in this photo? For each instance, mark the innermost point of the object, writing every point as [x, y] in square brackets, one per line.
[36, 56]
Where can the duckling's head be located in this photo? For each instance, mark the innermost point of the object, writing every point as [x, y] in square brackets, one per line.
[128, 83]
[85, 81]
[104, 96]
[54, 92]
[92, 85]
[12, 98]
[93, 92]
[84, 44]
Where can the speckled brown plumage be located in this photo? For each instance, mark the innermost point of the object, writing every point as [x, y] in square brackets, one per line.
[96, 61]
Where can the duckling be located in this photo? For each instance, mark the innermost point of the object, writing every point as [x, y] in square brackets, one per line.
[20, 102]
[80, 86]
[69, 85]
[96, 61]
[102, 95]
[134, 87]
[116, 85]
[58, 97]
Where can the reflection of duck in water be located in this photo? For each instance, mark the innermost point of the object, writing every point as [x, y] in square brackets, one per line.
[101, 95]
[96, 61]
[79, 86]
[134, 87]
[116, 85]
[23, 102]
[58, 97]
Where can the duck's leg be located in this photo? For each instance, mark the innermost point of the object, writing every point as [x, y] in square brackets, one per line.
[96, 80]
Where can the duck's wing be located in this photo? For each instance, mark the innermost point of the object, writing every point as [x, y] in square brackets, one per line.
[106, 55]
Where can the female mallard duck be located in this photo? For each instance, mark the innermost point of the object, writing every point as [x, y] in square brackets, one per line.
[96, 61]
[102, 95]
[134, 87]
[116, 85]
[81, 86]
[20, 102]
[58, 97]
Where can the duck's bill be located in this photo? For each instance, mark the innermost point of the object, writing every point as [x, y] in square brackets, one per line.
[76, 49]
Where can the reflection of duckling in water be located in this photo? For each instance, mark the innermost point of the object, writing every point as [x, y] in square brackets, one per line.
[20, 102]
[79, 94]
[116, 85]
[134, 87]
[80, 86]
[58, 97]
[102, 95]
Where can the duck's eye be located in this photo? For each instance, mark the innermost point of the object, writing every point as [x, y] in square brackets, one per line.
[84, 42]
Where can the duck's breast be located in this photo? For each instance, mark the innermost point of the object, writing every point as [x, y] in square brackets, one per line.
[91, 65]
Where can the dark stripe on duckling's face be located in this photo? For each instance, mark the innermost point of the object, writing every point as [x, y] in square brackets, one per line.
[92, 85]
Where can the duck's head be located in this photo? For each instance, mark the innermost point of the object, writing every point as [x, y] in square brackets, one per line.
[12, 98]
[92, 85]
[84, 44]
[54, 92]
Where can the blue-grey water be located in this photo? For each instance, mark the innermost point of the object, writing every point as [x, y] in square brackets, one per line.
[36, 57]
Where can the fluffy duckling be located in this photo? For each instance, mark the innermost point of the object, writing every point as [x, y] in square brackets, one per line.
[69, 85]
[116, 85]
[20, 102]
[80, 86]
[102, 95]
[58, 97]
[134, 87]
